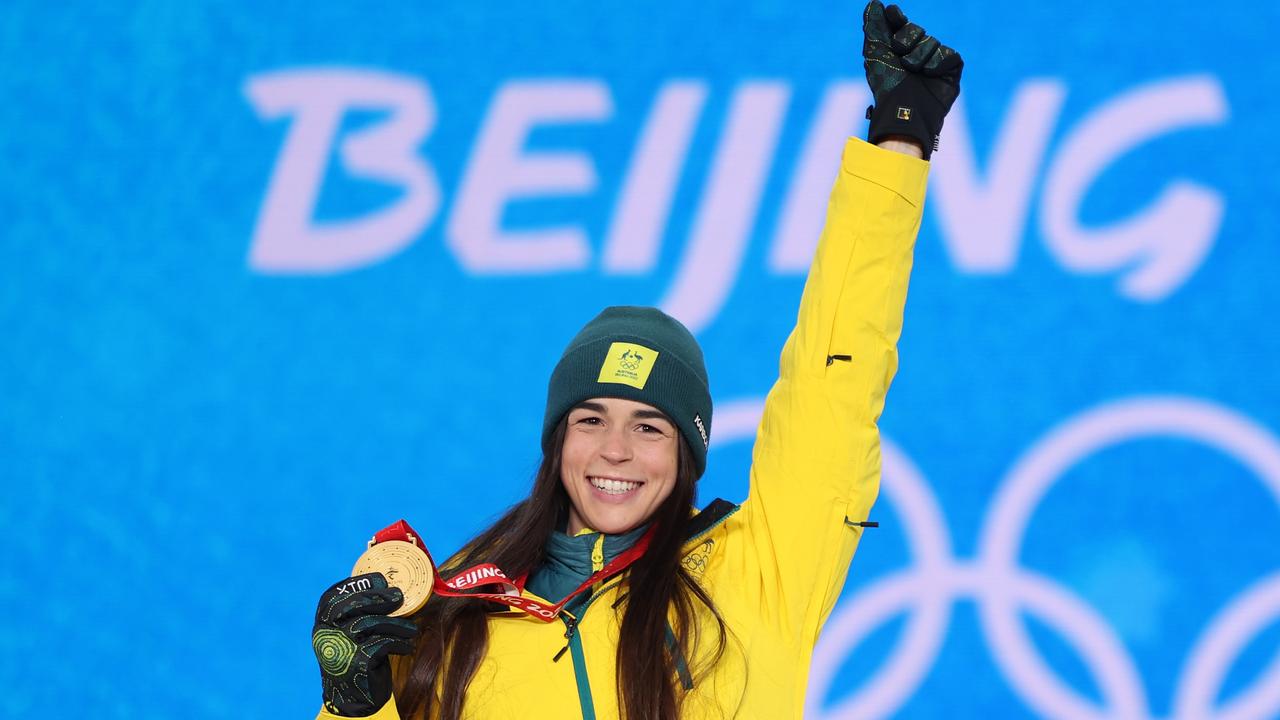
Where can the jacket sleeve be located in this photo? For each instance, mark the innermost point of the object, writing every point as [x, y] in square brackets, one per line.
[816, 462]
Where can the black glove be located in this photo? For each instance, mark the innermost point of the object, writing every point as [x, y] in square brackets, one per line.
[353, 636]
[914, 79]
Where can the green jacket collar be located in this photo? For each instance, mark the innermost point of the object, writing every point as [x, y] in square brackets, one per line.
[568, 561]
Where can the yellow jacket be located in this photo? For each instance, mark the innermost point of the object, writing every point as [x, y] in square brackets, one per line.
[775, 565]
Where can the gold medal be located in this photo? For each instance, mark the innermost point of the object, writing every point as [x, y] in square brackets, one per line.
[405, 566]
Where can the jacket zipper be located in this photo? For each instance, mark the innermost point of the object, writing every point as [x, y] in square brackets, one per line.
[570, 627]
[574, 642]
[571, 622]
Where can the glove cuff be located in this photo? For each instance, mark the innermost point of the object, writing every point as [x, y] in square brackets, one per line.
[909, 109]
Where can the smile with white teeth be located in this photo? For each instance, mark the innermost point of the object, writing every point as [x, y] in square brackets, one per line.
[613, 487]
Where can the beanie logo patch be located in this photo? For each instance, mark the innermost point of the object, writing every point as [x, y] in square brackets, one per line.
[627, 364]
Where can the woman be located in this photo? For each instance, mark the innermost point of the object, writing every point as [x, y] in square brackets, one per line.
[670, 614]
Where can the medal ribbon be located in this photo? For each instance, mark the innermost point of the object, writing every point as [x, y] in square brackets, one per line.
[490, 574]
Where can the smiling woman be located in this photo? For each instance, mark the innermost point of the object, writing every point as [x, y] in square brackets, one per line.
[665, 612]
[618, 464]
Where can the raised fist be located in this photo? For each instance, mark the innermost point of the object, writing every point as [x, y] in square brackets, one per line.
[914, 78]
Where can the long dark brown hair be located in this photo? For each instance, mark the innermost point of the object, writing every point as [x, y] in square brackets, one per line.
[659, 593]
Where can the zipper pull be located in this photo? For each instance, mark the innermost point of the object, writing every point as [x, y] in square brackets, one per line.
[571, 626]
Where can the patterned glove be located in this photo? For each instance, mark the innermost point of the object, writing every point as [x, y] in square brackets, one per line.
[914, 79]
[353, 636]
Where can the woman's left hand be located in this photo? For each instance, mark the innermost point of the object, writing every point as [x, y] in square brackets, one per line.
[913, 77]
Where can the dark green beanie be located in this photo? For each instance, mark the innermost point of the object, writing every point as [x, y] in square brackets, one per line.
[636, 353]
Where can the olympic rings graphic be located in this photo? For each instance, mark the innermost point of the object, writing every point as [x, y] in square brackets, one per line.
[1001, 589]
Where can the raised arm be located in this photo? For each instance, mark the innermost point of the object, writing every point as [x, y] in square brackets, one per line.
[816, 463]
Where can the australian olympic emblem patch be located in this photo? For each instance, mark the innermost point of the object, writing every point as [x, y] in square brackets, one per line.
[695, 561]
[627, 364]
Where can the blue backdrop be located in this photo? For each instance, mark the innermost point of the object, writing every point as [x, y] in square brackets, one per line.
[274, 275]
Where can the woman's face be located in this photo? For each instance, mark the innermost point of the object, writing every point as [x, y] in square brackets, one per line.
[618, 463]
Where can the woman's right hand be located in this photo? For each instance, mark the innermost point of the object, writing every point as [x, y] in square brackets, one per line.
[353, 636]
